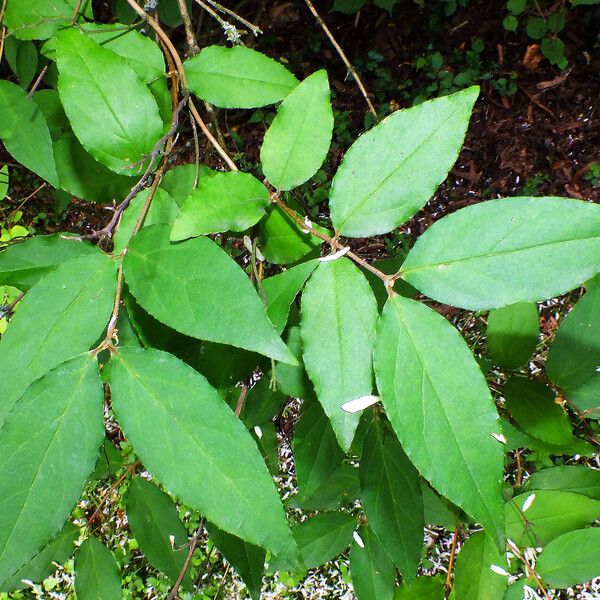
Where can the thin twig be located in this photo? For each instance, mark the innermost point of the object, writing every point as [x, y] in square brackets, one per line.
[240, 403]
[344, 58]
[192, 43]
[37, 82]
[253, 28]
[76, 12]
[5, 311]
[451, 562]
[186, 565]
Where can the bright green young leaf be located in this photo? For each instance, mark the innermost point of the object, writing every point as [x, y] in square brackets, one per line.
[324, 536]
[474, 578]
[172, 416]
[316, 451]
[49, 103]
[373, 572]
[575, 352]
[391, 496]
[49, 444]
[233, 201]
[282, 289]
[298, 139]
[567, 478]
[531, 404]
[282, 242]
[423, 588]
[22, 264]
[391, 171]
[248, 560]
[40, 19]
[96, 572]
[111, 111]
[440, 408]
[203, 276]
[505, 251]
[550, 514]
[24, 132]
[180, 181]
[293, 380]
[339, 314]
[3, 182]
[62, 316]
[571, 558]
[512, 334]
[155, 525]
[163, 210]
[238, 77]
[42, 564]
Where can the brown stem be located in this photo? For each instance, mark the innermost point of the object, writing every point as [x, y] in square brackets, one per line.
[37, 82]
[240, 403]
[186, 565]
[451, 562]
[5, 311]
[192, 43]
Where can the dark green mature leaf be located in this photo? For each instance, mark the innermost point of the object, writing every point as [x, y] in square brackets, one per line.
[292, 380]
[550, 514]
[163, 210]
[22, 264]
[96, 572]
[391, 171]
[532, 406]
[423, 588]
[231, 201]
[373, 572]
[324, 536]
[282, 289]
[574, 355]
[512, 334]
[339, 314]
[155, 524]
[42, 564]
[248, 560]
[567, 478]
[505, 251]
[440, 408]
[316, 451]
[340, 488]
[49, 444]
[49, 103]
[172, 416]
[24, 132]
[262, 403]
[204, 276]
[391, 496]
[238, 77]
[61, 317]
[298, 139]
[22, 58]
[474, 578]
[571, 558]
[180, 181]
[111, 111]
[440, 511]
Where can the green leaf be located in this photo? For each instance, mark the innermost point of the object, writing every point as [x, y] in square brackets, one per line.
[81, 175]
[324, 536]
[248, 560]
[551, 514]
[391, 171]
[339, 314]
[238, 77]
[423, 588]
[40, 19]
[22, 58]
[348, 6]
[532, 406]
[232, 201]
[262, 403]
[392, 501]
[96, 572]
[292, 380]
[316, 451]
[24, 132]
[570, 559]
[155, 525]
[111, 111]
[573, 356]
[22, 264]
[282, 289]
[204, 276]
[49, 444]
[474, 578]
[281, 240]
[373, 572]
[389, 266]
[505, 251]
[172, 416]
[179, 181]
[536, 28]
[567, 478]
[298, 139]
[42, 564]
[512, 333]
[554, 50]
[439, 511]
[49, 103]
[340, 488]
[440, 408]
[61, 317]
[3, 182]
[111, 459]
[163, 209]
